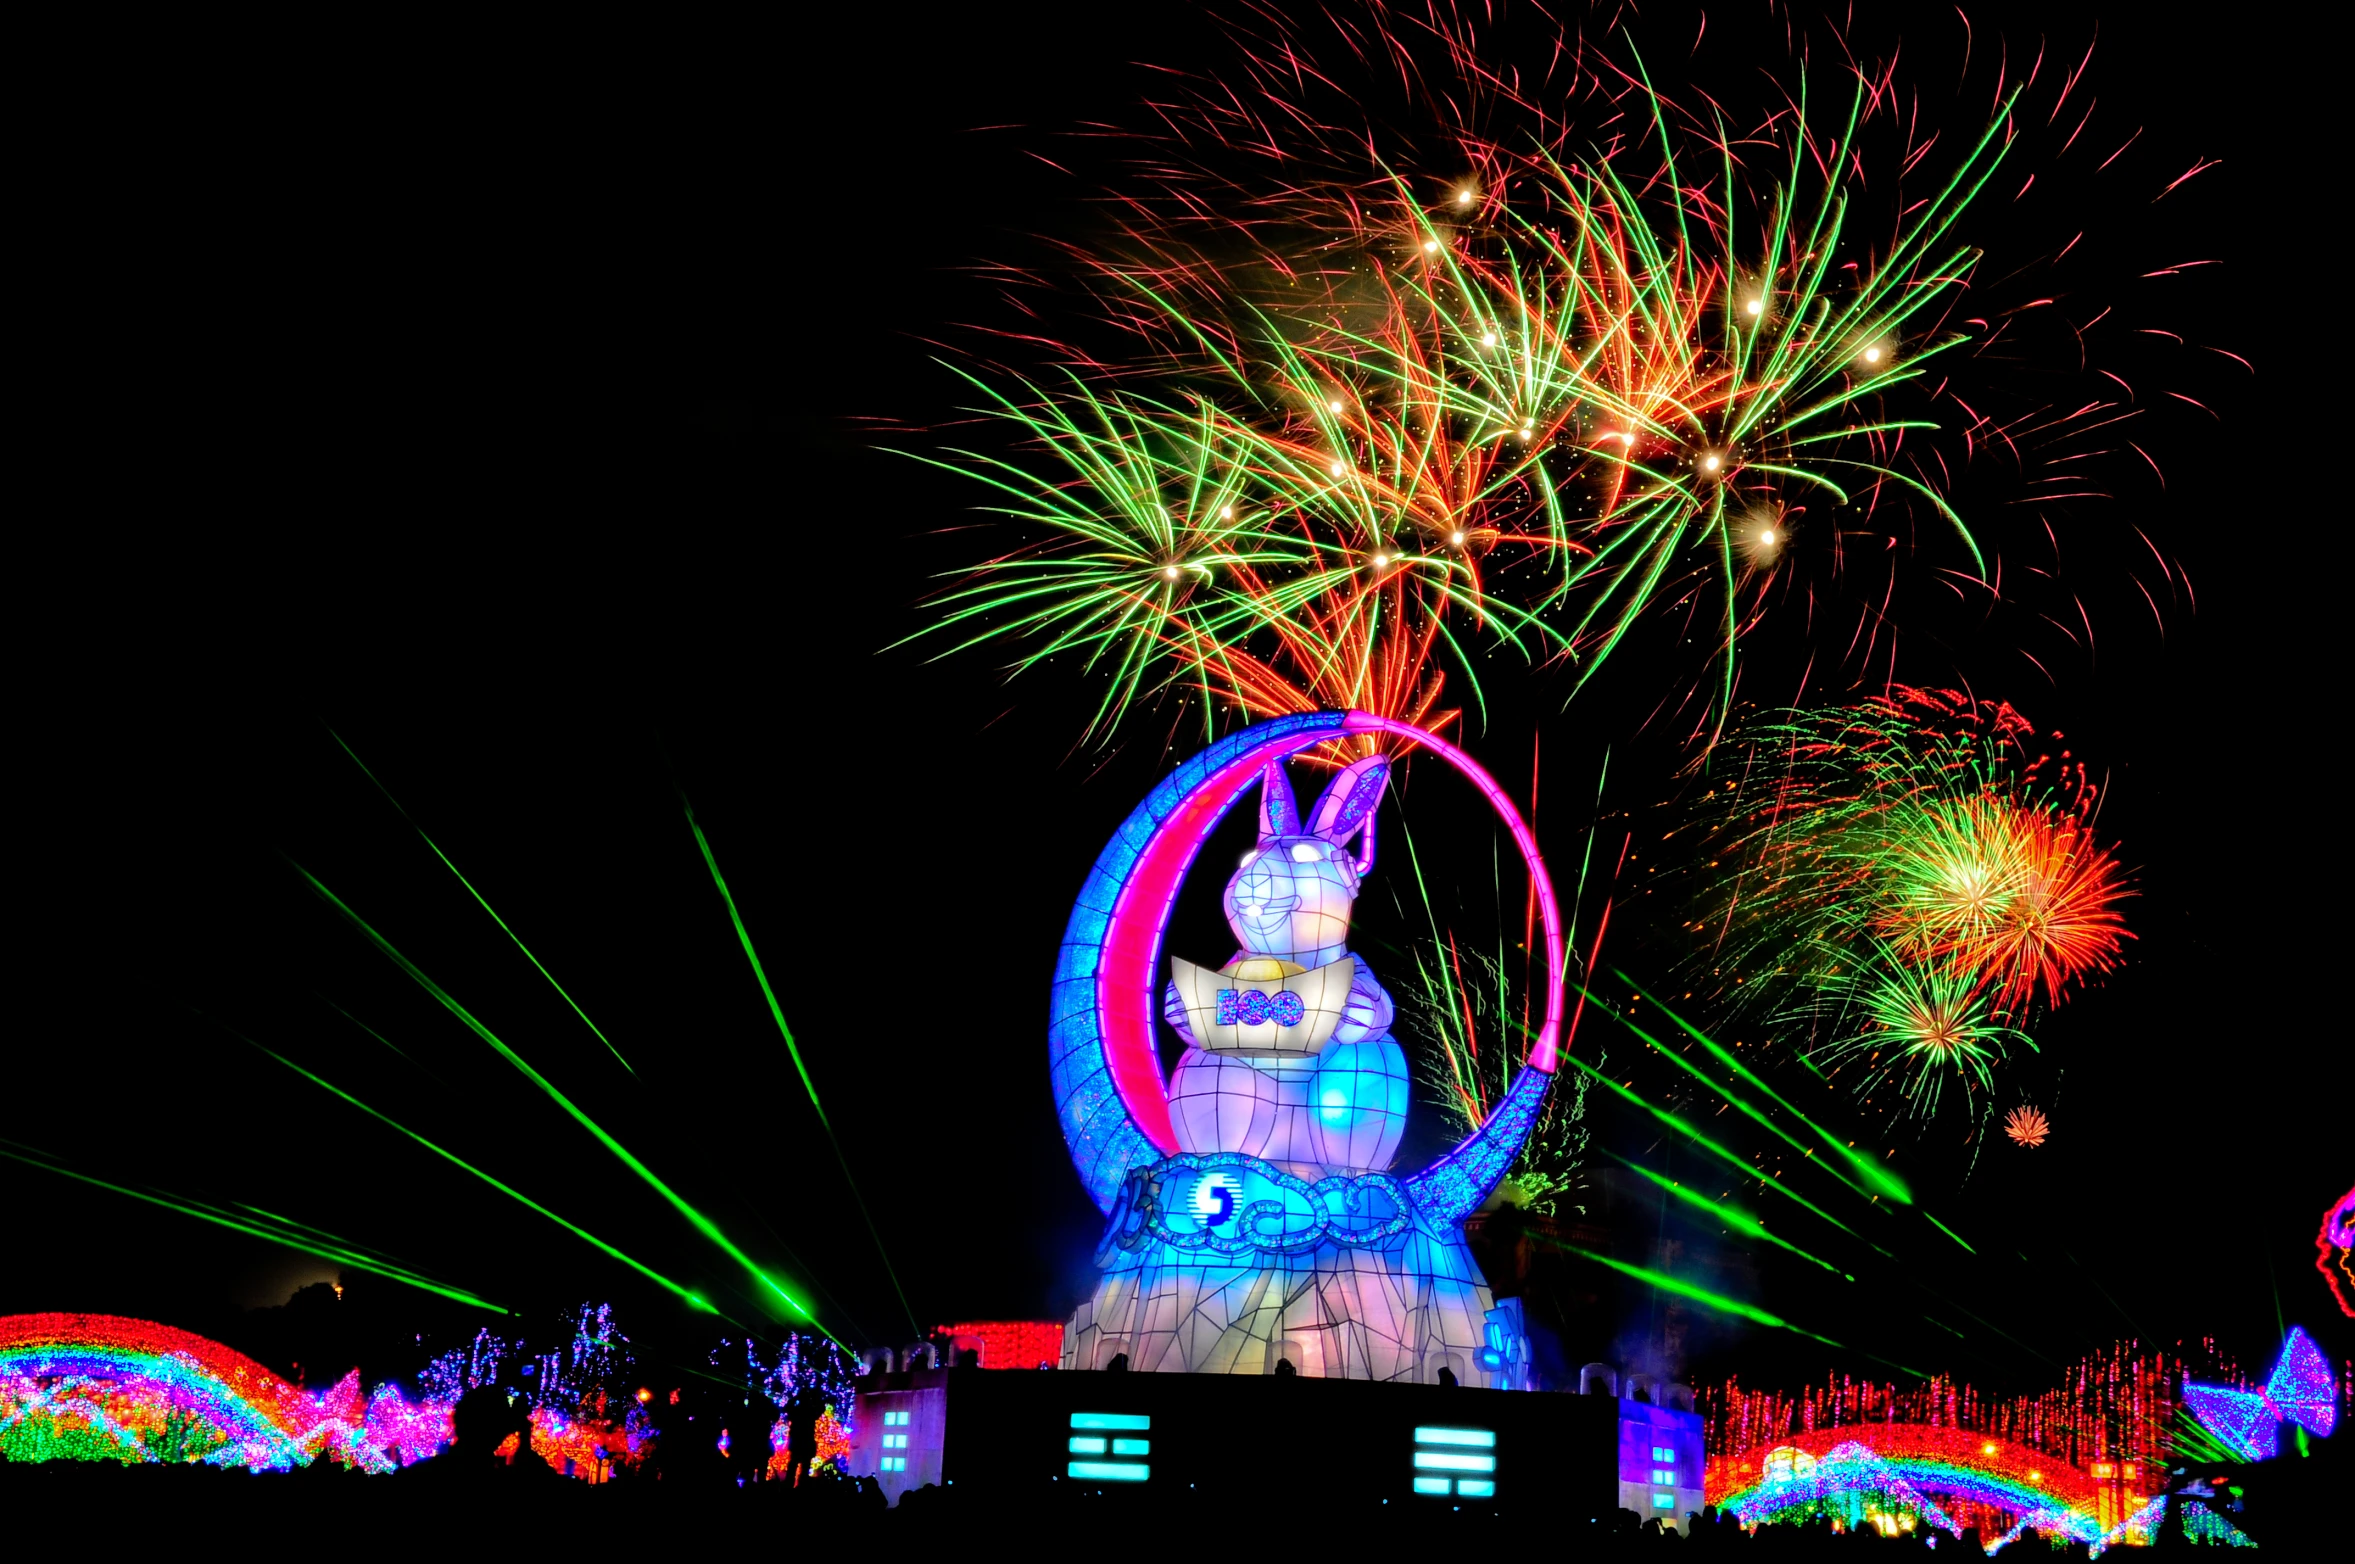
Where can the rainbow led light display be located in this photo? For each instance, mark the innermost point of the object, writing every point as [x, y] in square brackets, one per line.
[1894, 1475]
[100, 1387]
[1254, 1218]
[2115, 1407]
[2302, 1390]
[83, 1387]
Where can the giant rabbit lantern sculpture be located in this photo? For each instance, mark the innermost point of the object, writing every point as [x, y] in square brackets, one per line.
[1254, 1217]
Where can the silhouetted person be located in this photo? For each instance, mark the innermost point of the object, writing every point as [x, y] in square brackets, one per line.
[1447, 1376]
[801, 1431]
[1118, 1365]
[480, 1424]
[1284, 1369]
[749, 1426]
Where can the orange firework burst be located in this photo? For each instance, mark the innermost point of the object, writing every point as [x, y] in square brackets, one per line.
[2028, 1126]
[2062, 919]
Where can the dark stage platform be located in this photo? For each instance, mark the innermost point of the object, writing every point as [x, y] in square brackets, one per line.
[1253, 1436]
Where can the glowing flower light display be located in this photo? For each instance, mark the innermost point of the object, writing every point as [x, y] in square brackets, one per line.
[1253, 1217]
[833, 1446]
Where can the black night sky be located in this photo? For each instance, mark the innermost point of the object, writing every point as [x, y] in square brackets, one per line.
[510, 406]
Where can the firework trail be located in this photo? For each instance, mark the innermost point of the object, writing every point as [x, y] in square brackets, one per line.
[1364, 405]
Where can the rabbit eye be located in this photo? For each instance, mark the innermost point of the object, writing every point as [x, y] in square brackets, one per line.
[1303, 852]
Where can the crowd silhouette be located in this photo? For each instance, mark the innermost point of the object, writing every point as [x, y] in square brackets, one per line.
[478, 1486]
[714, 1474]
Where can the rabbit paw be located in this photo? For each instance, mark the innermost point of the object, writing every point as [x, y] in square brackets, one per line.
[1368, 1011]
[1173, 1010]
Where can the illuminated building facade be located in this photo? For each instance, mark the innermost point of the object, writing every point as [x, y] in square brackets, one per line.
[1254, 1219]
[1660, 1450]
[1244, 1441]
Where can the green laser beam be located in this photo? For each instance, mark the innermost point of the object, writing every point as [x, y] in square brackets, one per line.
[455, 1160]
[301, 1235]
[379, 1036]
[1949, 1232]
[1682, 1127]
[1684, 1289]
[479, 899]
[1726, 1092]
[1874, 1171]
[1958, 1308]
[628, 1159]
[1739, 1221]
[777, 1013]
[292, 1225]
[290, 1240]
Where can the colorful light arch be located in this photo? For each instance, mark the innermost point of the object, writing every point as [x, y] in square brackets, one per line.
[103, 1387]
[1871, 1473]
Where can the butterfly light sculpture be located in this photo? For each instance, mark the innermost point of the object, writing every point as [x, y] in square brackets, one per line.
[2302, 1391]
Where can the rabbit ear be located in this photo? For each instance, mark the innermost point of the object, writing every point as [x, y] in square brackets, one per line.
[1279, 813]
[1349, 802]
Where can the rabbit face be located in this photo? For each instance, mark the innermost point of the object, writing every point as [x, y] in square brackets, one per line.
[1292, 894]
[1291, 898]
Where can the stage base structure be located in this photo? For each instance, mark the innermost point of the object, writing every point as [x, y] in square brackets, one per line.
[1248, 1442]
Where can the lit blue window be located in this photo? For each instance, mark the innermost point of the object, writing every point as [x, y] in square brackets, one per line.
[1659, 1453]
[1110, 1471]
[1093, 1443]
[895, 1420]
[1480, 1438]
[1459, 1450]
[895, 1463]
[1665, 1476]
[1664, 1501]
